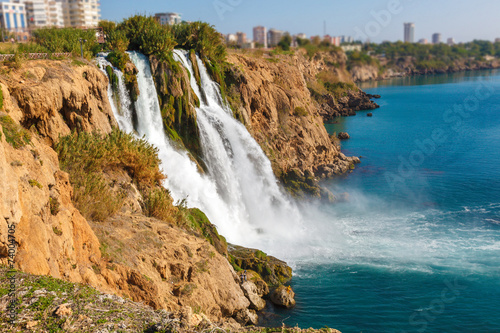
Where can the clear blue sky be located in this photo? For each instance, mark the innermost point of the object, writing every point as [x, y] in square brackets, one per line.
[464, 20]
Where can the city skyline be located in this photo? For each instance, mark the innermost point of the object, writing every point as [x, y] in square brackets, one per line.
[365, 18]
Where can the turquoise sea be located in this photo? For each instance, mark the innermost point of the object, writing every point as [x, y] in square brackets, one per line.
[417, 246]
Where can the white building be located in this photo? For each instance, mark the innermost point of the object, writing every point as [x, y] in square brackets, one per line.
[56, 13]
[81, 13]
[168, 18]
[450, 41]
[260, 36]
[409, 36]
[351, 48]
[274, 37]
[13, 16]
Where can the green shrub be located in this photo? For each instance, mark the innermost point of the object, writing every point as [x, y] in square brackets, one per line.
[148, 36]
[67, 40]
[54, 206]
[300, 111]
[15, 135]
[117, 40]
[57, 231]
[34, 182]
[201, 37]
[158, 203]
[86, 155]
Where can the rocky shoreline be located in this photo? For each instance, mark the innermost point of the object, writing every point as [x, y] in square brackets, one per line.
[407, 69]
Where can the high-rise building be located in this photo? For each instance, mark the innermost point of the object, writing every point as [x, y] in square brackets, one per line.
[274, 36]
[436, 38]
[497, 40]
[81, 13]
[423, 41]
[42, 13]
[241, 38]
[409, 32]
[450, 41]
[168, 18]
[36, 12]
[13, 16]
[260, 36]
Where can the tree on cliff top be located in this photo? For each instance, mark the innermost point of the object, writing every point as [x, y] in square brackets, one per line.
[148, 36]
[201, 37]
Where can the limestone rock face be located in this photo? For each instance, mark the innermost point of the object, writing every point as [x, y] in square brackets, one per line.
[283, 296]
[364, 73]
[129, 254]
[251, 293]
[279, 112]
[57, 96]
[58, 243]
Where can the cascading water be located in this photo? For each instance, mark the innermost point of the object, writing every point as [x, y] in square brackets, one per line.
[123, 111]
[240, 194]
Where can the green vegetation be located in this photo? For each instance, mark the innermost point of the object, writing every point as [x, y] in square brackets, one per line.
[300, 112]
[202, 38]
[34, 183]
[146, 35]
[356, 58]
[85, 156]
[54, 40]
[158, 203]
[313, 48]
[57, 231]
[196, 221]
[54, 206]
[285, 42]
[15, 135]
[433, 57]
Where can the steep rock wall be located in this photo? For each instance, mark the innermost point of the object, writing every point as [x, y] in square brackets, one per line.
[278, 110]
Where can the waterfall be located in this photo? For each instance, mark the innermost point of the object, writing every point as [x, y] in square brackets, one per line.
[122, 112]
[240, 194]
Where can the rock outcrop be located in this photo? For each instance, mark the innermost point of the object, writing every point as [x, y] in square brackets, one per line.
[283, 296]
[55, 97]
[272, 270]
[278, 110]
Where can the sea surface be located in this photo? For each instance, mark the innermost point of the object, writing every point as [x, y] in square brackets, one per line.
[417, 246]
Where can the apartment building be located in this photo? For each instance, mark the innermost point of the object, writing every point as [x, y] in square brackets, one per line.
[81, 13]
[274, 36]
[13, 16]
[260, 36]
[168, 18]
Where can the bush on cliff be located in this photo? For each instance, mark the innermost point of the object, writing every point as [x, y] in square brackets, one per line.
[201, 37]
[85, 156]
[148, 36]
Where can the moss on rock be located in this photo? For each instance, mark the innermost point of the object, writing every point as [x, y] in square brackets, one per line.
[272, 270]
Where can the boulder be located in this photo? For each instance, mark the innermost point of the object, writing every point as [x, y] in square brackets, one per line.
[260, 284]
[250, 291]
[343, 136]
[369, 114]
[63, 310]
[247, 317]
[283, 296]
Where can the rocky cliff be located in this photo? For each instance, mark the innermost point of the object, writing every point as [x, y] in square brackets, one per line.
[284, 107]
[143, 258]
